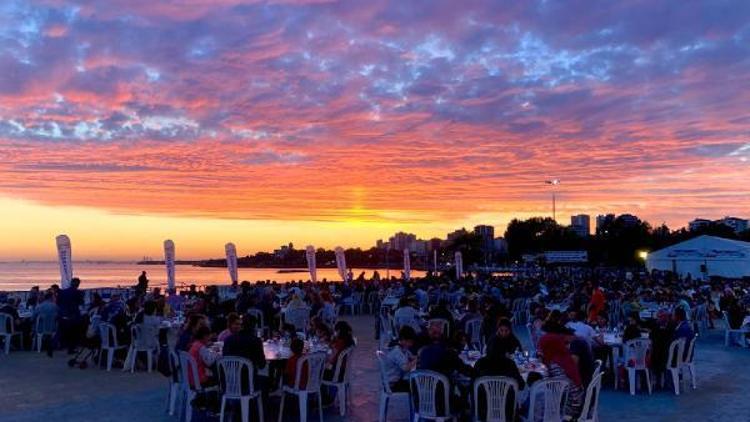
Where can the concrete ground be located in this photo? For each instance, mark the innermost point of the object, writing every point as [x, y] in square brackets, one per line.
[34, 387]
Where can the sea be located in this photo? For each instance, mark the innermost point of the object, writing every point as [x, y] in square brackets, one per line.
[20, 276]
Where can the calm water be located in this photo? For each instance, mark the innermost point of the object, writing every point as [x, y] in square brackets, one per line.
[21, 276]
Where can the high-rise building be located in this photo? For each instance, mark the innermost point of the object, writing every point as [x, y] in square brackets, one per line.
[580, 224]
[401, 241]
[501, 246]
[487, 234]
[604, 220]
[456, 234]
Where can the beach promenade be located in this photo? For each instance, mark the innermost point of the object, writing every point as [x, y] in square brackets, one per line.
[37, 388]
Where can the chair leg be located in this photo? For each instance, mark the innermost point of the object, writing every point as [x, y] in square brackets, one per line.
[281, 406]
[188, 407]
[648, 380]
[320, 407]
[245, 408]
[631, 380]
[675, 381]
[383, 407]
[341, 392]
[726, 338]
[223, 406]
[173, 398]
[260, 407]
[302, 407]
[149, 360]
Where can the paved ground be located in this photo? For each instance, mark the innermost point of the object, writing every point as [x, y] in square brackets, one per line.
[35, 388]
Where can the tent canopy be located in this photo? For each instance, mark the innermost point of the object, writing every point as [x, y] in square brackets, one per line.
[703, 256]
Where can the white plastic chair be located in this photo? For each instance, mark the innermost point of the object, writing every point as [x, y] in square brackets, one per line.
[496, 392]
[674, 362]
[109, 344]
[232, 370]
[473, 328]
[590, 410]
[342, 378]
[385, 388]
[143, 339]
[43, 327]
[738, 333]
[552, 391]
[424, 395]
[7, 331]
[533, 340]
[315, 363]
[687, 363]
[386, 330]
[259, 319]
[636, 351]
[445, 327]
[189, 371]
[175, 382]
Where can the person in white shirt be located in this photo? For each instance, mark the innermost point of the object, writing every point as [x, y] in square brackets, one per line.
[399, 361]
[406, 315]
[581, 329]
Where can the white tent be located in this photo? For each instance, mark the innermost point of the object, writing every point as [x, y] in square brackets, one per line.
[703, 256]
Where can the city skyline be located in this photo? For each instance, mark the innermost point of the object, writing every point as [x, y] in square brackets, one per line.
[124, 123]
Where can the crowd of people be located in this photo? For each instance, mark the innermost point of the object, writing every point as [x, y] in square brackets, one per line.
[567, 310]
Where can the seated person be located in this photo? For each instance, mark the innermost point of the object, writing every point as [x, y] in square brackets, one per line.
[204, 357]
[504, 341]
[497, 364]
[245, 344]
[234, 324]
[633, 328]
[399, 361]
[342, 340]
[297, 347]
[560, 363]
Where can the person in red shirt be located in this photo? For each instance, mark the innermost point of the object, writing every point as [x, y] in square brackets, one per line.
[597, 302]
[298, 350]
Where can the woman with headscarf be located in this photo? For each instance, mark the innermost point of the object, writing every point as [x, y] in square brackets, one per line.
[560, 364]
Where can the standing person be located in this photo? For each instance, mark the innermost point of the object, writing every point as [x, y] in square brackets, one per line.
[597, 302]
[69, 302]
[142, 286]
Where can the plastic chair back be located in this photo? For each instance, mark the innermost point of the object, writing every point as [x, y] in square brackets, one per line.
[552, 391]
[231, 371]
[384, 384]
[636, 351]
[424, 393]
[675, 354]
[443, 325]
[189, 372]
[591, 403]
[473, 328]
[108, 335]
[315, 364]
[496, 392]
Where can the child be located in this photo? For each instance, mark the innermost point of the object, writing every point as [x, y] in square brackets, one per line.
[297, 347]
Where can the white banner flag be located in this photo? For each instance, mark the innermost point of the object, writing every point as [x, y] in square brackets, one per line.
[341, 263]
[407, 265]
[169, 262]
[231, 251]
[310, 255]
[65, 257]
[459, 265]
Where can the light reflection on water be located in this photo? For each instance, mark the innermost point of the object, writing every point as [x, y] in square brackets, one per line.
[21, 276]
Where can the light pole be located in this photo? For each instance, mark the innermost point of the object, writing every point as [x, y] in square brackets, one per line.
[553, 183]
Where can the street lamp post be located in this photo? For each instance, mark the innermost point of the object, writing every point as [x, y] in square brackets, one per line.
[553, 183]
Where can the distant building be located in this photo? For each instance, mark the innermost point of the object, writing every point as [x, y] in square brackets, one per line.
[628, 220]
[698, 224]
[283, 251]
[434, 244]
[401, 241]
[580, 225]
[501, 246]
[604, 220]
[456, 234]
[739, 225]
[487, 234]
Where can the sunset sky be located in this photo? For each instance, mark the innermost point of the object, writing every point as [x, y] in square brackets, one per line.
[126, 122]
